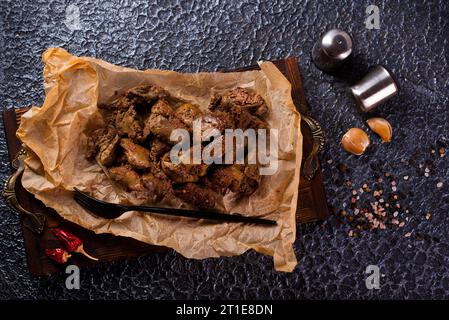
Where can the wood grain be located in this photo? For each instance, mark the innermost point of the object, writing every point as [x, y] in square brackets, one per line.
[311, 204]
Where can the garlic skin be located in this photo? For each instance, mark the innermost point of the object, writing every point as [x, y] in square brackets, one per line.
[355, 141]
[381, 127]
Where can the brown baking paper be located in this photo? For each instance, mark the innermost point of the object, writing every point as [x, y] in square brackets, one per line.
[55, 136]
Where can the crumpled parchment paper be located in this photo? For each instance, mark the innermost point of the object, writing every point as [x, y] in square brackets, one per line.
[55, 137]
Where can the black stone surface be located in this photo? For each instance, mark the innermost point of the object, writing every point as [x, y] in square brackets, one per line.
[208, 35]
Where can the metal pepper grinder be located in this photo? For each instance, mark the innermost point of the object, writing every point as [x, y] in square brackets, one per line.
[332, 49]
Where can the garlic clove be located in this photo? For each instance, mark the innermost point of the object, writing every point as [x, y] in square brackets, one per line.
[381, 127]
[355, 141]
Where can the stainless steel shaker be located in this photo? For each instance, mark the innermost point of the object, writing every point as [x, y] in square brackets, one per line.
[377, 86]
[332, 49]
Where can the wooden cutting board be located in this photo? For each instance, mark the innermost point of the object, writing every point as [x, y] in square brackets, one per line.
[311, 205]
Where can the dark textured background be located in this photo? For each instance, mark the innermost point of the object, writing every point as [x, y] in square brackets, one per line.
[210, 35]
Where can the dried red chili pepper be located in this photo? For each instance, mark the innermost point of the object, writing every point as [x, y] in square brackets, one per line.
[71, 242]
[58, 255]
